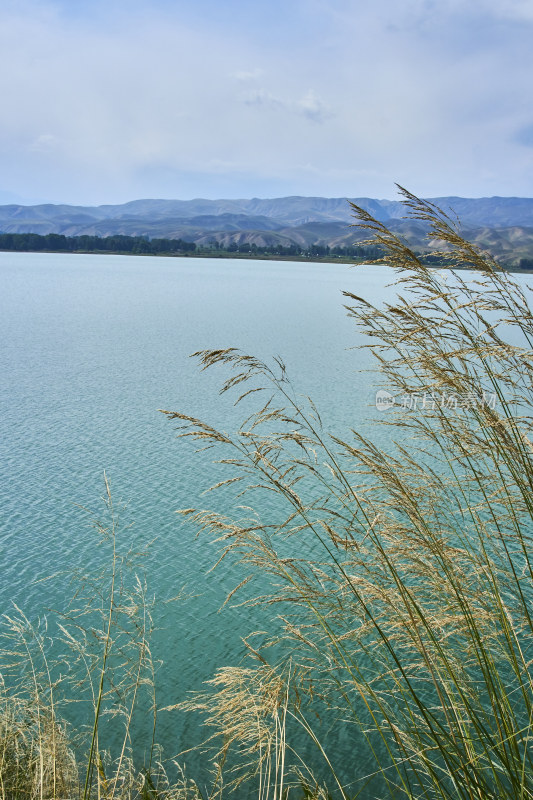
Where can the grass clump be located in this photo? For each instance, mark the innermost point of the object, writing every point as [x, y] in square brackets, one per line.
[96, 656]
[36, 759]
[402, 577]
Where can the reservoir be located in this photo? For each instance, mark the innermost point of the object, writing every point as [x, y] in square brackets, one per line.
[92, 347]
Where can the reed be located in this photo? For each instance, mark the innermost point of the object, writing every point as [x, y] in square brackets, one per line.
[402, 578]
[95, 654]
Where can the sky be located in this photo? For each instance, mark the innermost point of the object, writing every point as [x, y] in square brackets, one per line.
[105, 101]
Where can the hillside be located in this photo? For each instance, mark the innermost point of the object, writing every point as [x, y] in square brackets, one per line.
[503, 225]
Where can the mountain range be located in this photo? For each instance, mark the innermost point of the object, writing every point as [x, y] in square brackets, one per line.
[503, 225]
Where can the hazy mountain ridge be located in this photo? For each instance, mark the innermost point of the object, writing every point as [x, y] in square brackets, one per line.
[492, 211]
[504, 225]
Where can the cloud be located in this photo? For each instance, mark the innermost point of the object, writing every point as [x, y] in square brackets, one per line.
[262, 97]
[104, 101]
[312, 107]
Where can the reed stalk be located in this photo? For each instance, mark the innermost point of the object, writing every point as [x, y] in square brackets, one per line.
[402, 577]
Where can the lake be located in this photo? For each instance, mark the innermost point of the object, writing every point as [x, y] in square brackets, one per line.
[92, 347]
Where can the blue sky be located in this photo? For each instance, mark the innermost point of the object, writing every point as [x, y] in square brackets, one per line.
[105, 102]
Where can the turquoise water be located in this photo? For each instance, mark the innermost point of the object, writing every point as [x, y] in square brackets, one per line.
[92, 347]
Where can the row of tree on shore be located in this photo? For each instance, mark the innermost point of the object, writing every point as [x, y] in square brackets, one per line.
[141, 245]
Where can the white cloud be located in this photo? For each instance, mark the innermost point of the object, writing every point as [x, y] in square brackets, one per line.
[312, 107]
[309, 105]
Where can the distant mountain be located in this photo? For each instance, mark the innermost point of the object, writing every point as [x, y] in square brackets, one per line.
[284, 211]
[502, 224]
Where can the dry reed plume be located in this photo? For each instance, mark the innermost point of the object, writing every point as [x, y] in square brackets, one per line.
[403, 579]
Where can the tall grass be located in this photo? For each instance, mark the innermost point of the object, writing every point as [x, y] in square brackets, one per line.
[95, 654]
[402, 578]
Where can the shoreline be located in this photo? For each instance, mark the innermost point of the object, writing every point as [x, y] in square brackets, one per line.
[330, 259]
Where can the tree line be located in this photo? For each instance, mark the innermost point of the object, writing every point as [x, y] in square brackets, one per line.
[57, 242]
[142, 245]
